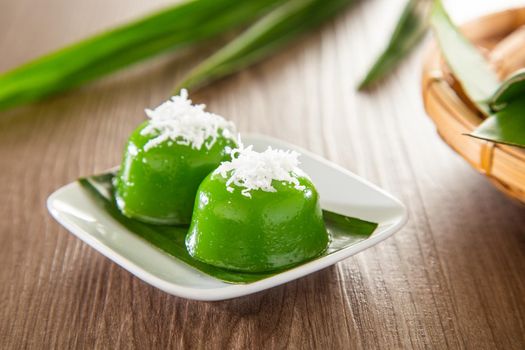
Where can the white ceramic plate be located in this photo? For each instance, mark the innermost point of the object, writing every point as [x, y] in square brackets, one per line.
[341, 191]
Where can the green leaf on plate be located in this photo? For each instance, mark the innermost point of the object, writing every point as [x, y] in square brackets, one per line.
[467, 63]
[286, 22]
[410, 29]
[505, 126]
[349, 224]
[344, 232]
[512, 89]
[184, 24]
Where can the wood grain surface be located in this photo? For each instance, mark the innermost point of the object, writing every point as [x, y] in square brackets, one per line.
[453, 277]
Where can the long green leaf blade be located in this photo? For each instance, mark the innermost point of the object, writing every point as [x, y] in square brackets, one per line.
[410, 29]
[467, 63]
[272, 32]
[510, 90]
[184, 24]
[506, 126]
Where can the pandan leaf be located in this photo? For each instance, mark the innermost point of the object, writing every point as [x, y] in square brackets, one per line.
[506, 126]
[272, 32]
[344, 231]
[467, 63]
[410, 29]
[349, 224]
[184, 24]
[511, 89]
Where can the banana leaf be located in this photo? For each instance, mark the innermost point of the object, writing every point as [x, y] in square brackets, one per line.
[410, 29]
[344, 231]
[272, 32]
[185, 24]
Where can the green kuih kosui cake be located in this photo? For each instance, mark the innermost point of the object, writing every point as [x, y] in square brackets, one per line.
[167, 157]
[256, 213]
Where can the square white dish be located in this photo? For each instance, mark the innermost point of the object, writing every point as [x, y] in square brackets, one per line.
[340, 190]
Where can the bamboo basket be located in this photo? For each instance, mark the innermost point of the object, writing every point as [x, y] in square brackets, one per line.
[501, 36]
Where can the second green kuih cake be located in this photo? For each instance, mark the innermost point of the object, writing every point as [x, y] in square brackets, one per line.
[166, 159]
[257, 213]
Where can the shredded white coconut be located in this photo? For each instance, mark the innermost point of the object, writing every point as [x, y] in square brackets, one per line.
[251, 170]
[177, 120]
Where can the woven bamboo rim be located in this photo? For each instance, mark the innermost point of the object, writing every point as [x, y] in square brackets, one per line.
[502, 34]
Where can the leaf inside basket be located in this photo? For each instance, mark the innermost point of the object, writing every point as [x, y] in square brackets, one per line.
[506, 126]
[510, 90]
[502, 103]
[467, 63]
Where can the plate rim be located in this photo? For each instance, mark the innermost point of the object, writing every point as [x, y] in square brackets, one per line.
[230, 291]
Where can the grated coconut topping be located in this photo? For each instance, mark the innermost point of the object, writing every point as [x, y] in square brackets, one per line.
[177, 120]
[251, 170]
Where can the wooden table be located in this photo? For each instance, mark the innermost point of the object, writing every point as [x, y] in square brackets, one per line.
[453, 277]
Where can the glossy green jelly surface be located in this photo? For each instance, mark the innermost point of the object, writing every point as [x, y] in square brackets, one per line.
[269, 231]
[159, 185]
